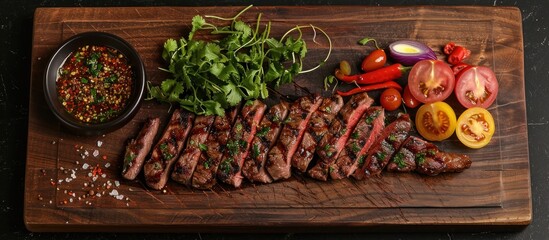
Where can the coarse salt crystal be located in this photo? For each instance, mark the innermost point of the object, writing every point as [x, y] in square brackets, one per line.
[107, 165]
[90, 174]
[94, 178]
[114, 192]
[86, 153]
[95, 153]
[120, 197]
[99, 143]
[85, 166]
[103, 175]
[117, 183]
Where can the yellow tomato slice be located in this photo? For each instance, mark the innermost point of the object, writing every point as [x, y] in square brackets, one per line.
[436, 121]
[475, 127]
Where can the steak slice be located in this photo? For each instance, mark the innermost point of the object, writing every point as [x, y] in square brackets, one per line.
[157, 168]
[138, 148]
[341, 128]
[317, 127]
[405, 159]
[426, 158]
[204, 176]
[362, 138]
[389, 141]
[186, 164]
[265, 138]
[239, 143]
[280, 156]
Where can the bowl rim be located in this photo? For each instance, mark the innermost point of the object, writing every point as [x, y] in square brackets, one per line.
[69, 46]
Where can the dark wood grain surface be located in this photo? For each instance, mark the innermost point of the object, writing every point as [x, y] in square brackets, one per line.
[495, 191]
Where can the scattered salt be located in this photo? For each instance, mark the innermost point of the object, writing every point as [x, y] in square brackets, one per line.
[117, 183]
[103, 175]
[107, 165]
[99, 143]
[114, 192]
[85, 166]
[95, 153]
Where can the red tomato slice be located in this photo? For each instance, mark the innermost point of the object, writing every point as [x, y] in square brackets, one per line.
[476, 86]
[431, 81]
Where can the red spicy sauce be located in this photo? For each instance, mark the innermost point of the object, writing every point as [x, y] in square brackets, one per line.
[95, 83]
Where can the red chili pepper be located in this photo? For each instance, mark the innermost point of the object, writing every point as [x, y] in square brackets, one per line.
[371, 87]
[458, 55]
[384, 74]
[449, 48]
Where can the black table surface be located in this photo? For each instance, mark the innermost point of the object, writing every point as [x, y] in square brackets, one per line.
[16, 19]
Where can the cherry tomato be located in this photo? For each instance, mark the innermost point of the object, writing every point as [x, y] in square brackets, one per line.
[375, 60]
[475, 127]
[345, 67]
[458, 67]
[431, 81]
[390, 99]
[476, 86]
[436, 121]
[408, 99]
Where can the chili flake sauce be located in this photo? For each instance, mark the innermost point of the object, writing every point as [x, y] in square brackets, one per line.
[95, 83]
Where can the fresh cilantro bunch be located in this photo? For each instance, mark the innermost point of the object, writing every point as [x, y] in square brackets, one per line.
[210, 76]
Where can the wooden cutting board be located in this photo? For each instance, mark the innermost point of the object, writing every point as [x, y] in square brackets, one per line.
[495, 191]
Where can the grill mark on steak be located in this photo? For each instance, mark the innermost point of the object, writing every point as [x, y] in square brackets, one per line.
[424, 157]
[341, 128]
[204, 176]
[280, 156]
[389, 141]
[316, 128]
[138, 148]
[266, 135]
[186, 164]
[157, 168]
[238, 146]
[362, 138]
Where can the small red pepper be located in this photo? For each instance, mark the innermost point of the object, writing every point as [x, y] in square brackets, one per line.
[371, 87]
[449, 48]
[384, 74]
[456, 54]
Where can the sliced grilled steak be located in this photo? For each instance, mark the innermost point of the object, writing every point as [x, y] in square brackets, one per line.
[389, 141]
[317, 127]
[157, 168]
[405, 159]
[186, 164]
[425, 158]
[280, 156]
[204, 176]
[265, 137]
[238, 146]
[341, 128]
[138, 148]
[362, 138]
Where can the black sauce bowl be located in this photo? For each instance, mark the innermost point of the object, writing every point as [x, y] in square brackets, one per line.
[58, 59]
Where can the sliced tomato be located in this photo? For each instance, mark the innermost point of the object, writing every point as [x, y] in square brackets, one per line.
[390, 99]
[436, 121]
[475, 127]
[408, 99]
[431, 81]
[476, 86]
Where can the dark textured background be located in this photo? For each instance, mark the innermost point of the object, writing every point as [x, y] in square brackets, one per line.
[15, 50]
